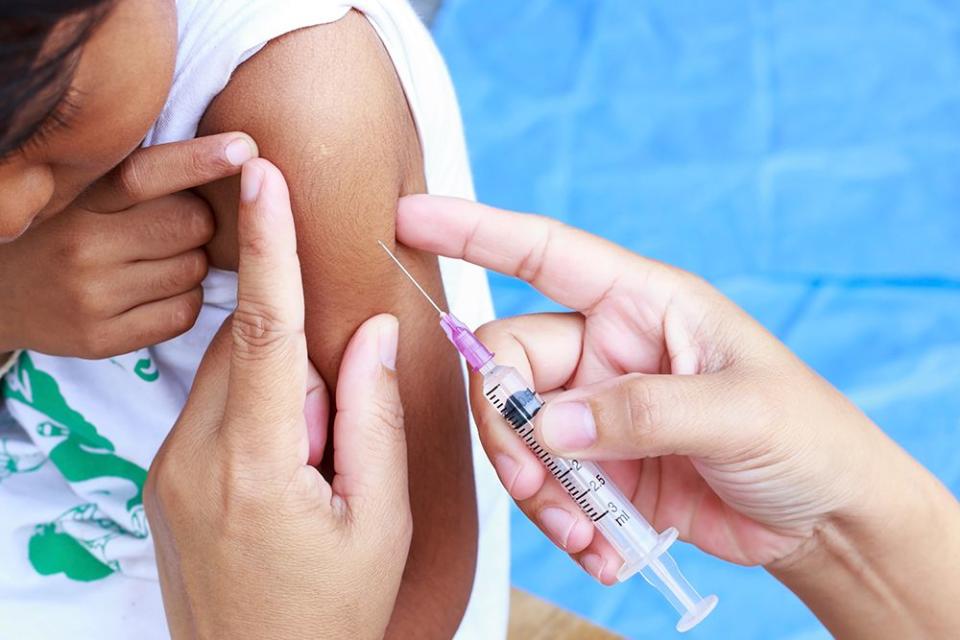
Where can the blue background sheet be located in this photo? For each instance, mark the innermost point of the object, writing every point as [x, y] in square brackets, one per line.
[805, 157]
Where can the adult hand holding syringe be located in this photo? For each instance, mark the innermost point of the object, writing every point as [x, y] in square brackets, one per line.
[704, 420]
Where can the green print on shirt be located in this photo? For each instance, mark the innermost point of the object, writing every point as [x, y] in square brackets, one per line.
[12, 462]
[83, 454]
[146, 369]
[54, 550]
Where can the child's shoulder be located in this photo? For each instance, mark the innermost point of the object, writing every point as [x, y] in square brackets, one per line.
[326, 105]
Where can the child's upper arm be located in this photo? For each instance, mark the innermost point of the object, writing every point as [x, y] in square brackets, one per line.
[324, 104]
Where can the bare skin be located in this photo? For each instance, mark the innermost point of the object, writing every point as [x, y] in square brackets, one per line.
[121, 80]
[245, 421]
[349, 150]
[707, 422]
[121, 267]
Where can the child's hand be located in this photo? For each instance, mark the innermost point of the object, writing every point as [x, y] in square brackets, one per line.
[121, 267]
[251, 541]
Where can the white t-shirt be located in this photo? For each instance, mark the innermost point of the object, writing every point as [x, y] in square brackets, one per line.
[76, 558]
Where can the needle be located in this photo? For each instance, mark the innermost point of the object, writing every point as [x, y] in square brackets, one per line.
[412, 279]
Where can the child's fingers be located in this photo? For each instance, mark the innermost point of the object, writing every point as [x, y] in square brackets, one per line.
[168, 168]
[149, 323]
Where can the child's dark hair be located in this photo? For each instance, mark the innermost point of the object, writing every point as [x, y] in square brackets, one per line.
[40, 42]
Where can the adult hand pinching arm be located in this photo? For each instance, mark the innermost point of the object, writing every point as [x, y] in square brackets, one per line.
[251, 540]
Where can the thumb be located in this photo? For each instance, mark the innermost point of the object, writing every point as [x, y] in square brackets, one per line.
[316, 412]
[370, 455]
[641, 416]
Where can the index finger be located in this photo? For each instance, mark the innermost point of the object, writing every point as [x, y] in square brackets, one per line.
[168, 168]
[268, 370]
[570, 266]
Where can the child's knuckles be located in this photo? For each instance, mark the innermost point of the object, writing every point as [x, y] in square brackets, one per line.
[197, 266]
[97, 344]
[129, 179]
[188, 271]
[200, 224]
[89, 298]
[189, 215]
[185, 309]
[80, 251]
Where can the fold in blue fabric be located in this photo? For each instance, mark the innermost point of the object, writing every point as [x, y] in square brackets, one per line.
[804, 157]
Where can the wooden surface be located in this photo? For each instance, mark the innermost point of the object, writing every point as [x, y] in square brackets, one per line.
[534, 619]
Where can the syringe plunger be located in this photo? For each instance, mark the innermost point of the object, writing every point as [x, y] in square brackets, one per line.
[643, 549]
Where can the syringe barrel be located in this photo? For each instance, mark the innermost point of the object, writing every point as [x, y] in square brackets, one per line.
[614, 516]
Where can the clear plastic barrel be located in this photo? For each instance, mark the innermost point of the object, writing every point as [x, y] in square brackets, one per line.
[642, 548]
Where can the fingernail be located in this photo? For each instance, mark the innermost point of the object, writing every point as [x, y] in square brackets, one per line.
[388, 344]
[568, 426]
[507, 469]
[593, 564]
[558, 523]
[239, 151]
[251, 180]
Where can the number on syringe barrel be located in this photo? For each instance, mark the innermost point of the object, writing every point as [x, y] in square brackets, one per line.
[519, 411]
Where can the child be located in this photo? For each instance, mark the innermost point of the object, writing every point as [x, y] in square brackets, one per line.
[356, 111]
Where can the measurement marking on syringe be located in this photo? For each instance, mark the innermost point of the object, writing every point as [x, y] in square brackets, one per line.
[518, 416]
[633, 535]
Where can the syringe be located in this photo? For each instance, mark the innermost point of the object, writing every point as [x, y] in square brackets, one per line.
[643, 549]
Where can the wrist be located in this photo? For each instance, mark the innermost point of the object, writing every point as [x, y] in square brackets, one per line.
[882, 566]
